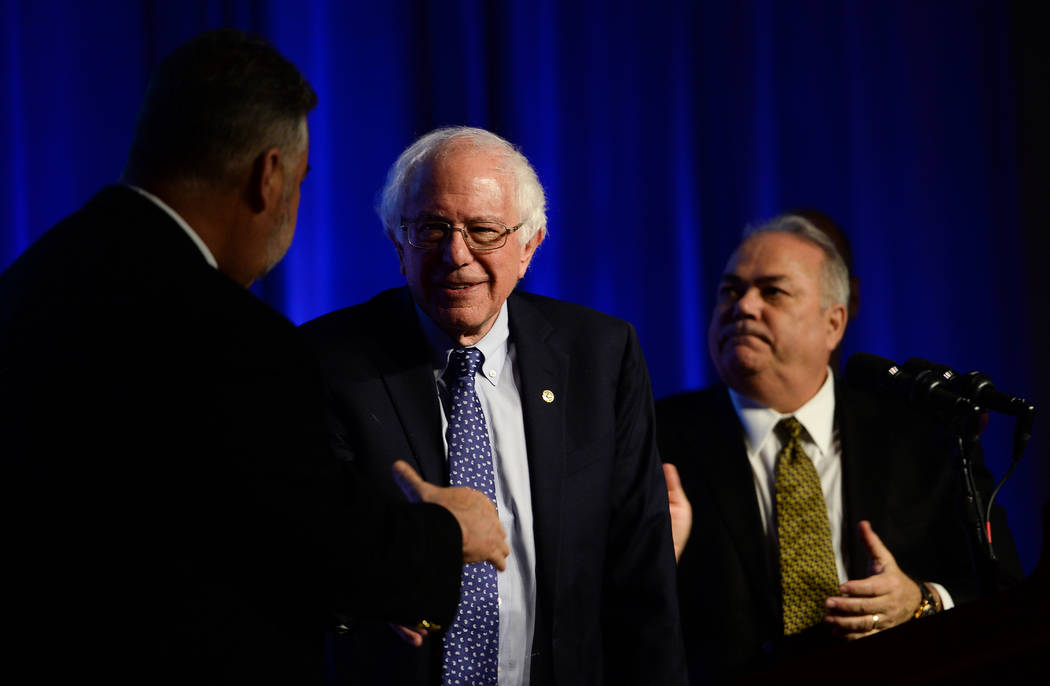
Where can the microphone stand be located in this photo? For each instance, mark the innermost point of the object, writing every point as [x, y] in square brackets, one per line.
[984, 558]
[922, 383]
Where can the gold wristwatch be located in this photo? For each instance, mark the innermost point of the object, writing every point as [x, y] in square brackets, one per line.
[928, 605]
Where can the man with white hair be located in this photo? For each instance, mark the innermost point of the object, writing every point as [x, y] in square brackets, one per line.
[818, 512]
[544, 405]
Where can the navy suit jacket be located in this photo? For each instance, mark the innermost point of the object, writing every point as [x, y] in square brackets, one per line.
[171, 512]
[606, 609]
[897, 472]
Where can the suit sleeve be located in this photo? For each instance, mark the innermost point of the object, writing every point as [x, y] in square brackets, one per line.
[400, 562]
[643, 641]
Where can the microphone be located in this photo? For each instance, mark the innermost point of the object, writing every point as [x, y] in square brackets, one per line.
[975, 386]
[924, 388]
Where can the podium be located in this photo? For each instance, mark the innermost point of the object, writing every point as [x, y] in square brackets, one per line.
[1002, 638]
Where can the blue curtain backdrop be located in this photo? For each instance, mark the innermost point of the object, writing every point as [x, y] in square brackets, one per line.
[659, 129]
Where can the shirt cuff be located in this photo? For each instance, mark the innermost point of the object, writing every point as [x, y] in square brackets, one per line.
[946, 598]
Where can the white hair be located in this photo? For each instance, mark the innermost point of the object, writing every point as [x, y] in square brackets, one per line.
[404, 178]
[834, 277]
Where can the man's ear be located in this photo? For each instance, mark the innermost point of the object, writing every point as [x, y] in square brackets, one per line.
[400, 253]
[529, 250]
[267, 181]
[836, 317]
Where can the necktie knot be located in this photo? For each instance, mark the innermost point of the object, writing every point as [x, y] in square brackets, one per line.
[463, 364]
[790, 428]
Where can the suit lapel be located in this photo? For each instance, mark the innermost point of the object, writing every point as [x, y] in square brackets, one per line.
[408, 375]
[858, 479]
[543, 366]
[733, 493]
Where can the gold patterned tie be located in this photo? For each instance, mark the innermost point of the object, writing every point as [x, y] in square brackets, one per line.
[807, 562]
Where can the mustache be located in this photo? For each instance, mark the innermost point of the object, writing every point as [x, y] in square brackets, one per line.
[742, 328]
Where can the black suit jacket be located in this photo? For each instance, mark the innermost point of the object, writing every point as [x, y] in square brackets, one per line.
[897, 472]
[171, 511]
[605, 609]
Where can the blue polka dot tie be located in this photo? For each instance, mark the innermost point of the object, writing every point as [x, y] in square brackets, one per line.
[472, 642]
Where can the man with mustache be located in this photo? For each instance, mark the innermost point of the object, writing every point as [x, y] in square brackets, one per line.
[818, 513]
[545, 404]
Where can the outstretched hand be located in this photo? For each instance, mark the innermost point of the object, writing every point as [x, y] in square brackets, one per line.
[884, 599]
[483, 537]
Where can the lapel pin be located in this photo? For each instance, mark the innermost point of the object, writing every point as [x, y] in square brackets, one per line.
[548, 396]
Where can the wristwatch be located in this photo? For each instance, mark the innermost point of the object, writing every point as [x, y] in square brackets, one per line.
[928, 605]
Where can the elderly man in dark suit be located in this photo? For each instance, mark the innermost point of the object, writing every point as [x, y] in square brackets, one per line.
[548, 404]
[171, 511]
[818, 512]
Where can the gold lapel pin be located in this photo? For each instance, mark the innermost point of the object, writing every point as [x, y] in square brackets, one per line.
[548, 396]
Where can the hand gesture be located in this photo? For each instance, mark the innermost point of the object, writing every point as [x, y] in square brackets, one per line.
[681, 510]
[483, 537]
[886, 598]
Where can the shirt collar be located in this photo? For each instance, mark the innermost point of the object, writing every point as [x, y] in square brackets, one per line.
[817, 417]
[493, 345]
[208, 257]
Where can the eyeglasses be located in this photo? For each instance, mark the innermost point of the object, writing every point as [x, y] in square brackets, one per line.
[430, 234]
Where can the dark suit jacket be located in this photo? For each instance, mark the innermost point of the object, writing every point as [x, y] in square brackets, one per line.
[605, 609]
[896, 472]
[170, 509]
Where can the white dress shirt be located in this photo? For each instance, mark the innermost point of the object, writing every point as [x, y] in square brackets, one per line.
[496, 383]
[820, 442]
[208, 257]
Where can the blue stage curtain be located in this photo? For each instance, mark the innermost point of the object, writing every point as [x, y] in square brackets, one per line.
[659, 128]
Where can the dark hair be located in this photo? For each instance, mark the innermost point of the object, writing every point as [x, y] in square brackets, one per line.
[213, 105]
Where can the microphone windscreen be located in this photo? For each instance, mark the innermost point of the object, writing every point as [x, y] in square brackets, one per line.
[870, 372]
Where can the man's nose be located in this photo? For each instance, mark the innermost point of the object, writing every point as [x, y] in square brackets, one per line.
[455, 250]
[748, 304]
